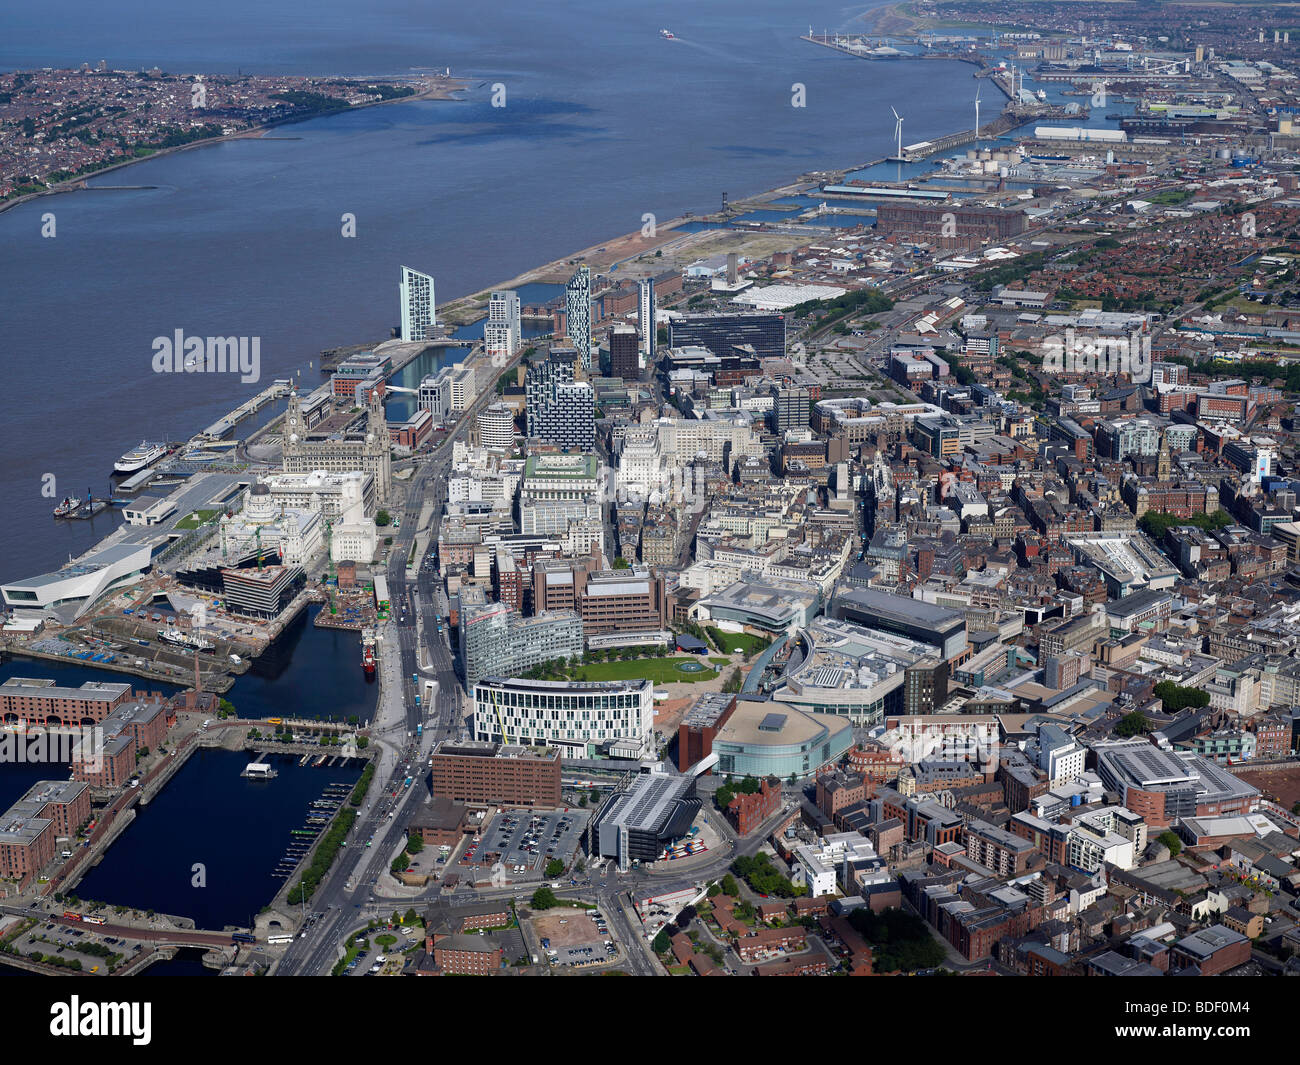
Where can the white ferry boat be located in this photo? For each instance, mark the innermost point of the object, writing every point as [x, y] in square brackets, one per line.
[139, 457]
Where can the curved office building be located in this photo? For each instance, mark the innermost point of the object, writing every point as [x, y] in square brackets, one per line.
[765, 738]
[580, 717]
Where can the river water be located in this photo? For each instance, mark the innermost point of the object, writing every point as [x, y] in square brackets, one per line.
[604, 122]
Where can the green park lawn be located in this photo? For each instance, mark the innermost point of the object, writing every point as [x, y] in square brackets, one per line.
[743, 641]
[656, 670]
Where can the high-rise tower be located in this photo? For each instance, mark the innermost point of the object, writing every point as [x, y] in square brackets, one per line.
[577, 314]
[645, 319]
[418, 316]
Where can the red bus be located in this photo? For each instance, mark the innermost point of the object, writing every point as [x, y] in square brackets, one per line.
[71, 915]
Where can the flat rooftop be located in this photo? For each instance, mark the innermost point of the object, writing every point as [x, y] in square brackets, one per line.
[92, 690]
[760, 722]
[899, 609]
[487, 749]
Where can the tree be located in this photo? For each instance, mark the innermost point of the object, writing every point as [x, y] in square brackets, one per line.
[544, 899]
[400, 864]
[595, 795]
[1132, 724]
[1171, 841]
[1175, 697]
[382, 518]
[715, 890]
[622, 563]
[900, 941]
[730, 887]
[411, 917]
[554, 867]
[414, 843]
[662, 943]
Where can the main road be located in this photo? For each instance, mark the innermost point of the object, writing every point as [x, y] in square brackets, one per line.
[412, 645]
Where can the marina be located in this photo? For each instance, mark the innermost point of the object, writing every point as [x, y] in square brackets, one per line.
[244, 836]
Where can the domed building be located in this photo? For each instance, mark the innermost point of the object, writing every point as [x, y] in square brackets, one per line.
[280, 534]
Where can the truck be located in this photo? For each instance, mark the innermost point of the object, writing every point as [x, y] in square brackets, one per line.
[419, 730]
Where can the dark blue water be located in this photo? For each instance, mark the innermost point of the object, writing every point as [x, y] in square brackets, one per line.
[208, 814]
[604, 122]
[307, 672]
[17, 777]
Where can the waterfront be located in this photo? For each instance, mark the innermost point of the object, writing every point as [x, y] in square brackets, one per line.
[244, 238]
[308, 672]
[234, 828]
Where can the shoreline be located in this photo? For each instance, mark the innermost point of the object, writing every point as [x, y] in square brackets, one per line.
[78, 184]
[603, 256]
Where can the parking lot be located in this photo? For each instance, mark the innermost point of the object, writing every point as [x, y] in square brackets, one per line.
[575, 937]
[96, 954]
[525, 841]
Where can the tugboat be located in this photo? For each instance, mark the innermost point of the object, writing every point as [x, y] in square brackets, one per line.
[68, 507]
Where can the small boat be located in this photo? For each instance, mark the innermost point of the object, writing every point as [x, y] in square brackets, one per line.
[67, 507]
[667, 35]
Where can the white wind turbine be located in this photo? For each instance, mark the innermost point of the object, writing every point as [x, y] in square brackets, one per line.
[898, 133]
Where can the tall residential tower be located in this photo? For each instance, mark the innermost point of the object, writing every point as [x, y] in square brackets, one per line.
[645, 319]
[418, 316]
[577, 314]
[501, 331]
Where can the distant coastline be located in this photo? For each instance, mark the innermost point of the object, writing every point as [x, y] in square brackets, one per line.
[445, 91]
